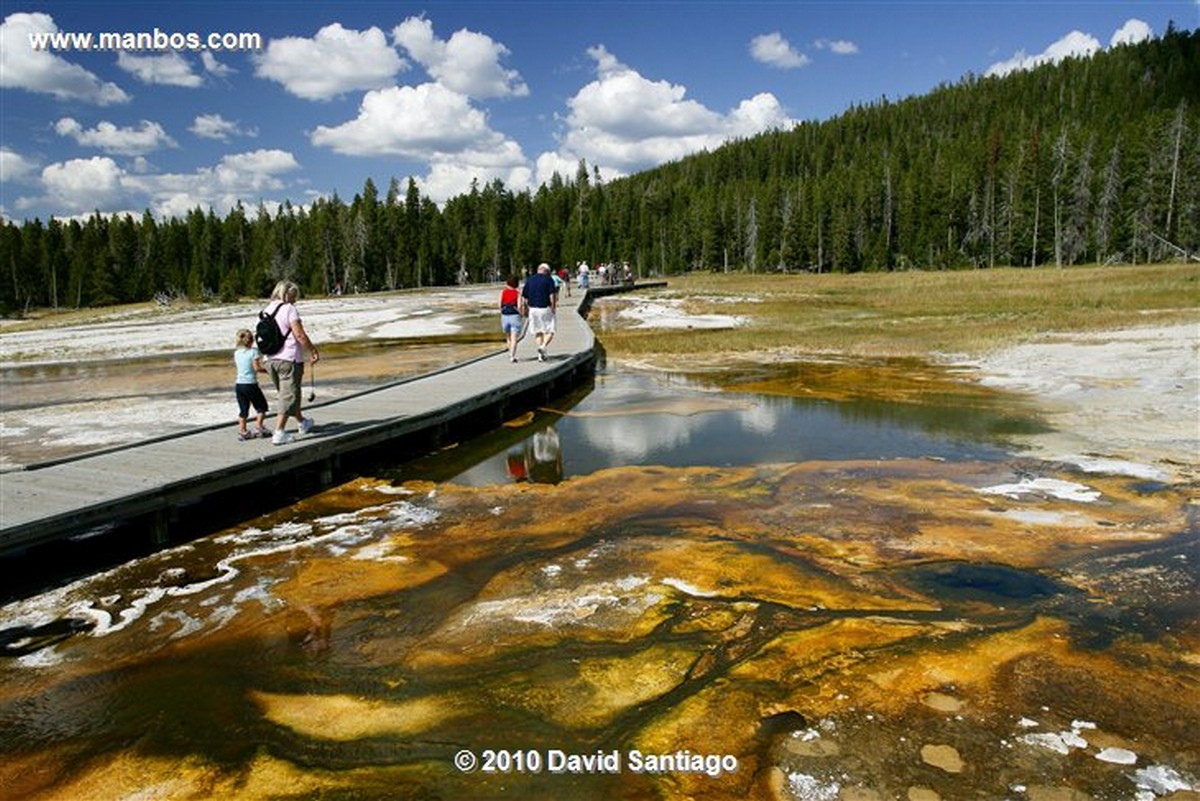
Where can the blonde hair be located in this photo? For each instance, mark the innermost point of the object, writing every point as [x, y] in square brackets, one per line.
[283, 289]
[245, 338]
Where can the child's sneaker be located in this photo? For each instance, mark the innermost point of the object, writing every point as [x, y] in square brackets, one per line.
[306, 425]
[262, 432]
[246, 435]
[280, 437]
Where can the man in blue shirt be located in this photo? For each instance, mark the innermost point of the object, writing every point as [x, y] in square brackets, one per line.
[540, 297]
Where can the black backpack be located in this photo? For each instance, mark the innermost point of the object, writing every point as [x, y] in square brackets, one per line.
[266, 333]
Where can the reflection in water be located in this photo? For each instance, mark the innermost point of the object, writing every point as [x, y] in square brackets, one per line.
[890, 626]
[637, 418]
[537, 459]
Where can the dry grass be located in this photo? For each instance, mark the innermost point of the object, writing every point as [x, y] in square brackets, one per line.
[917, 313]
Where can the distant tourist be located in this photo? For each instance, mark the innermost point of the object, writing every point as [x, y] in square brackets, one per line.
[583, 275]
[540, 297]
[510, 315]
[248, 362]
[564, 279]
[286, 367]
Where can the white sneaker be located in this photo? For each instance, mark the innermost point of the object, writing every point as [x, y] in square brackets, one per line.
[541, 354]
[280, 437]
[306, 425]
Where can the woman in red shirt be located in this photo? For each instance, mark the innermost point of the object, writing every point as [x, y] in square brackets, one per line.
[510, 315]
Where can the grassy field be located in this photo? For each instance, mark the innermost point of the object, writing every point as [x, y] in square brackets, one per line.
[916, 313]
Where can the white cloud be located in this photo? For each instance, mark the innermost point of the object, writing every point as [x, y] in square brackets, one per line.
[335, 61]
[148, 137]
[552, 162]
[14, 166]
[100, 184]
[414, 121]
[606, 63]
[22, 67]
[434, 124]
[237, 177]
[1074, 44]
[214, 126]
[623, 123]
[839, 47]
[625, 104]
[449, 178]
[1132, 32]
[83, 185]
[468, 62]
[775, 51]
[258, 167]
[170, 69]
[760, 113]
[214, 67]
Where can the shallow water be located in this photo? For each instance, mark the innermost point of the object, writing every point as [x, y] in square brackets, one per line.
[793, 582]
[636, 418]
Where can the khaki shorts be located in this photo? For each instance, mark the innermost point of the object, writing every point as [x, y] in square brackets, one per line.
[288, 378]
[541, 321]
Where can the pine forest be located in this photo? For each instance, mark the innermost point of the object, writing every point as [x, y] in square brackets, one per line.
[1093, 160]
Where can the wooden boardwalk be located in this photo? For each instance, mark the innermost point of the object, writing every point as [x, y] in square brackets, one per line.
[149, 481]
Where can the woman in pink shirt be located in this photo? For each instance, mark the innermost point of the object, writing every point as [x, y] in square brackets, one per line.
[286, 367]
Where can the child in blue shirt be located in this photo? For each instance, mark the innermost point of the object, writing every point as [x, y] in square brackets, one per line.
[248, 361]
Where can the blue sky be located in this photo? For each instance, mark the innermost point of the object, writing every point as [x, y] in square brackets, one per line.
[450, 91]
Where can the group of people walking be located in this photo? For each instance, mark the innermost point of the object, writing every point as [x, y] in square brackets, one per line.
[606, 274]
[536, 300]
[285, 368]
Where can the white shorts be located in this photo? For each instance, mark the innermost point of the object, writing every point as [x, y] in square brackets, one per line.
[541, 321]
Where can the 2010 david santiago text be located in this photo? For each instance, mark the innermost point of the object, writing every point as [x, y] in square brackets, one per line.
[554, 760]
